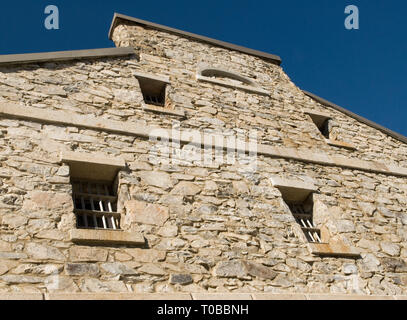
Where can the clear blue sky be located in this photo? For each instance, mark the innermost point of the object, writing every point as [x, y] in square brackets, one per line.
[362, 70]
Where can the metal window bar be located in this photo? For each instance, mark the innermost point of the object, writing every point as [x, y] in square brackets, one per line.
[304, 219]
[95, 205]
[154, 99]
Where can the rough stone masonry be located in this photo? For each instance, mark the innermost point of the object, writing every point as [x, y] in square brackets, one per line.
[187, 227]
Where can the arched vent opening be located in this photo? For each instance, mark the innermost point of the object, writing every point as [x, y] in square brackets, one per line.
[227, 76]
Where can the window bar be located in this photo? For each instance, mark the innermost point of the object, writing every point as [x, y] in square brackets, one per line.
[113, 222]
[109, 206]
[317, 237]
[95, 222]
[104, 222]
[312, 238]
[85, 220]
[310, 224]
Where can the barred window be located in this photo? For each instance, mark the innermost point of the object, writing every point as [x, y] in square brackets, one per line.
[153, 89]
[303, 215]
[95, 205]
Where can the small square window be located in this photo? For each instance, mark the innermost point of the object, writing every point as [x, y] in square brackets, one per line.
[95, 205]
[322, 123]
[153, 90]
[302, 213]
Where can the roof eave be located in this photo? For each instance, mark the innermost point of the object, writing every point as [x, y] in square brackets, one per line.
[357, 117]
[117, 16]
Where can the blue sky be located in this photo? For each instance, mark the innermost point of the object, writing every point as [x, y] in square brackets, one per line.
[362, 70]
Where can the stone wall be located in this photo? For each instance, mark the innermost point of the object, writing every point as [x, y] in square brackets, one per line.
[215, 228]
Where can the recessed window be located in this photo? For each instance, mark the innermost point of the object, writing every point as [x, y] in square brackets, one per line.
[153, 88]
[153, 92]
[324, 123]
[95, 205]
[302, 212]
[226, 75]
[321, 122]
[298, 195]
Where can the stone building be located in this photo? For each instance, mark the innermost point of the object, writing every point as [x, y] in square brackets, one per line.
[177, 166]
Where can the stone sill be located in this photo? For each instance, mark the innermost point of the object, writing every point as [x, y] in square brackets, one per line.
[190, 296]
[340, 144]
[105, 237]
[333, 250]
[162, 110]
[234, 86]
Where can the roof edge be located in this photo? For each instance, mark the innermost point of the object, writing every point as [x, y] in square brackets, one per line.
[274, 58]
[368, 122]
[25, 58]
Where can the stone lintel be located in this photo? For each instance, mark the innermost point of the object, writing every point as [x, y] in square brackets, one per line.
[93, 158]
[106, 237]
[293, 190]
[317, 113]
[92, 166]
[150, 76]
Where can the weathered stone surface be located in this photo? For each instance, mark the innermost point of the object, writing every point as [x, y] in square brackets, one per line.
[350, 268]
[14, 221]
[142, 212]
[95, 285]
[21, 279]
[117, 268]
[196, 225]
[12, 255]
[394, 264]
[87, 254]
[81, 269]
[157, 179]
[186, 188]
[345, 226]
[182, 279]
[44, 252]
[59, 283]
[47, 200]
[5, 246]
[258, 270]
[391, 249]
[152, 269]
[147, 255]
[6, 266]
[240, 187]
[231, 269]
[169, 231]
